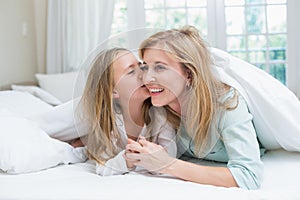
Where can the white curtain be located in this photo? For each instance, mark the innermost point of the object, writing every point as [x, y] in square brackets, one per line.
[75, 27]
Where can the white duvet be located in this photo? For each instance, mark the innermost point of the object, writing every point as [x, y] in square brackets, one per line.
[275, 109]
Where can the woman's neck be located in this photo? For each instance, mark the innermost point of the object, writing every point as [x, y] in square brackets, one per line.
[179, 106]
[176, 107]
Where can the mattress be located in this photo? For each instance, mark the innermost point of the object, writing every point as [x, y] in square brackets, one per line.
[79, 181]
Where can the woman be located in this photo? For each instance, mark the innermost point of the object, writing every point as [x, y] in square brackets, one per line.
[213, 121]
[116, 106]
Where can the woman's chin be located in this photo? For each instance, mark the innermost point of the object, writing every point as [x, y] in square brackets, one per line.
[156, 104]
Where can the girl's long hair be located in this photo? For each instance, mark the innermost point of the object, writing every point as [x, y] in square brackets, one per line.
[98, 108]
[205, 91]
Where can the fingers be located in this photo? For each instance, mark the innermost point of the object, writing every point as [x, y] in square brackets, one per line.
[130, 141]
[128, 158]
[142, 146]
[134, 157]
[142, 141]
[134, 147]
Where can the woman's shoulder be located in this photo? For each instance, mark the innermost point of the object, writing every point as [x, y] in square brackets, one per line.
[238, 110]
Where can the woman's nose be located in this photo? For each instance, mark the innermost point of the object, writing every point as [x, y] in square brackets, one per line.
[148, 77]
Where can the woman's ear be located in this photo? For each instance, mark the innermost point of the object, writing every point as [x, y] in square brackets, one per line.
[115, 94]
[188, 75]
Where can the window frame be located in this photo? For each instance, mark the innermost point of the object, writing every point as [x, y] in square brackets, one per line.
[217, 32]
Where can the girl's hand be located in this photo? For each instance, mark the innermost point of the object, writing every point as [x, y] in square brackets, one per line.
[130, 162]
[149, 155]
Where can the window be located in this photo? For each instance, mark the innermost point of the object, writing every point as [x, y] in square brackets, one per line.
[120, 17]
[174, 14]
[256, 32]
[253, 30]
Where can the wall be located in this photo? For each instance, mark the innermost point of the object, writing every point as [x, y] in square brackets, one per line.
[18, 57]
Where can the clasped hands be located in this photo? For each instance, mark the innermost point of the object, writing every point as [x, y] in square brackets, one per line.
[148, 155]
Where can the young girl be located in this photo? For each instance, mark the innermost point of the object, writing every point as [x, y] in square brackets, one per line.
[213, 120]
[116, 105]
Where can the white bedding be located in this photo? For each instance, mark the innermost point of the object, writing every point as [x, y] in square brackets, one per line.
[79, 181]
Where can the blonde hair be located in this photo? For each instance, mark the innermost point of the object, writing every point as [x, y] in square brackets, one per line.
[187, 47]
[98, 108]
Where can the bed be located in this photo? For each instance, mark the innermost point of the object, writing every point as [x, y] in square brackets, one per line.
[60, 180]
[78, 181]
[37, 166]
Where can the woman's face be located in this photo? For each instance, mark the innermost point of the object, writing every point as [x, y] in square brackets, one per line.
[128, 78]
[164, 77]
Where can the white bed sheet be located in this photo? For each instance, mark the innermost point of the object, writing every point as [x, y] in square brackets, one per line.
[79, 181]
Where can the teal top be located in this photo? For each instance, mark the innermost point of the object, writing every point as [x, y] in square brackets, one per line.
[235, 143]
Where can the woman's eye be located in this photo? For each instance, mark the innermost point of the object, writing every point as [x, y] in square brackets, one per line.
[144, 67]
[160, 67]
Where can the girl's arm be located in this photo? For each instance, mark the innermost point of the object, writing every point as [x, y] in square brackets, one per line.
[114, 166]
[118, 165]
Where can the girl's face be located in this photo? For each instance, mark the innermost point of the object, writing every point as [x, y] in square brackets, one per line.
[128, 78]
[164, 77]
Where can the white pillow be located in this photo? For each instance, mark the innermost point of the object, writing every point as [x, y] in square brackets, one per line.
[38, 92]
[24, 147]
[61, 121]
[22, 103]
[59, 85]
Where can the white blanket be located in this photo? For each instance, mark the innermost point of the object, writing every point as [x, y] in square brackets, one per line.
[275, 109]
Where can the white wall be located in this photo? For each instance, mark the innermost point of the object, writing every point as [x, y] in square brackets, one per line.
[18, 57]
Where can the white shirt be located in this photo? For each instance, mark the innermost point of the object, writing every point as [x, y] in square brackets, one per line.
[162, 132]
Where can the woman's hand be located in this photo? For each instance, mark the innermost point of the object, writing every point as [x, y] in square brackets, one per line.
[149, 155]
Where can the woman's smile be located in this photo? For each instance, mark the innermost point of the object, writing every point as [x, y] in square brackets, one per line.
[155, 91]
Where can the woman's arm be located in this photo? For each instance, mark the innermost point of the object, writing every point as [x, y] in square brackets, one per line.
[155, 158]
[218, 176]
